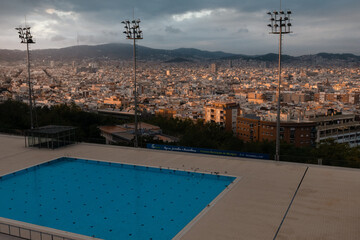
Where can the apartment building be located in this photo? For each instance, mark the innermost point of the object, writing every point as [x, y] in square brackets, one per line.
[223, 113]
[252, 128]
[344, 128]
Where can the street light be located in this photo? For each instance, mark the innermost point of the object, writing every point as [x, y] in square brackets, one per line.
[132, 31]
[26, 38]
[279, 24]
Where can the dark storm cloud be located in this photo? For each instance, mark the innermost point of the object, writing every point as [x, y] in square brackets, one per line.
[150, 8]
[205, 24]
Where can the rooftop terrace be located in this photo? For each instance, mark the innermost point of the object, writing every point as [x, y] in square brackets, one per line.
[270, 201]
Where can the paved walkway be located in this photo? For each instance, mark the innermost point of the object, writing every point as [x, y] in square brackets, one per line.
[326, 206]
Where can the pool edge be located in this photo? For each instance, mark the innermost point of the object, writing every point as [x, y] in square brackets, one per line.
[198, 217]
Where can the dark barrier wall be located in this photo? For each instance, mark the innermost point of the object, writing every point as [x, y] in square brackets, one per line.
[208, 151]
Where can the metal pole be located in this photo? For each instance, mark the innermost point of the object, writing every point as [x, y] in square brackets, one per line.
[277, 156]
[135, 95]
[132, 31]
[29, 82]
[279, 24]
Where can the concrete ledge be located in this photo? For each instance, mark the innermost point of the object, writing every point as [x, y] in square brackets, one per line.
[35, 232]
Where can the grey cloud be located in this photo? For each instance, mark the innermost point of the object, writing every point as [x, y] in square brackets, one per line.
[170, 29]
[57, 38]
[218, 29]
[86, 39]
[110, 33]
[243, 30]
[99, 21]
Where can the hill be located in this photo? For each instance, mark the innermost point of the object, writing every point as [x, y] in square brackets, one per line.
[119, 51]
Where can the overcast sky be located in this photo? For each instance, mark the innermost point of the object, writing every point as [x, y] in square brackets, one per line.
[234, 26]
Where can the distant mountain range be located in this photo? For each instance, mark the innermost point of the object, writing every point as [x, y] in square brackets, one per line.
[125, 51]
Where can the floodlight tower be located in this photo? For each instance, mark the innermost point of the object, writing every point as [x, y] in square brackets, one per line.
[279, 24]
[26, 38]
[132, 31]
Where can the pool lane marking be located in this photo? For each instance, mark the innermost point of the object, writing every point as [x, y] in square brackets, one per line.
[180, 234]
[292, 200]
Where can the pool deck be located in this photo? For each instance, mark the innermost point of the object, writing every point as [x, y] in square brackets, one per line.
[326, 206]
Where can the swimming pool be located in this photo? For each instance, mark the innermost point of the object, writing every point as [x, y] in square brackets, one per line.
[108, 200]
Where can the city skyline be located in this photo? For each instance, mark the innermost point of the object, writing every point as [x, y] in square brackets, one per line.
[227, 26]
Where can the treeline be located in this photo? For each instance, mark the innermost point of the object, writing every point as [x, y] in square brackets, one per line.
[15, 118]
[211, 135]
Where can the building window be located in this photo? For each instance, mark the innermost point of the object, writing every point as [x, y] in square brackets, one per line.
[292, 133]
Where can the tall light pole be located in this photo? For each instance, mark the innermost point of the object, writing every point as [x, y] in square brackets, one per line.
[132, 31]
[26, 38]
[279, 24]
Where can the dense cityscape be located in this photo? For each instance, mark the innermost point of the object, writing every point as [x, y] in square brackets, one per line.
[318, 101]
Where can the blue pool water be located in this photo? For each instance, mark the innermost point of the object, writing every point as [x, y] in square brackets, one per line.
[108, 200]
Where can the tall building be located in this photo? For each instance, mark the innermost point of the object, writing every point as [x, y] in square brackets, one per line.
[223, 113]
[251, 128]
[214, 68]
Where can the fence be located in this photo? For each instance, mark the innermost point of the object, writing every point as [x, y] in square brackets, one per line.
[207, 151]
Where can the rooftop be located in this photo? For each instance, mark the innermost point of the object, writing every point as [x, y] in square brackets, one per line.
[51, 129]
[270, 200]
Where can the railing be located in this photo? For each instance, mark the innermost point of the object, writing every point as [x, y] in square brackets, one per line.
[34, 232]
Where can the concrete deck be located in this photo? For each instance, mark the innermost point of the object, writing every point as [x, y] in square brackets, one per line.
[326, 206]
